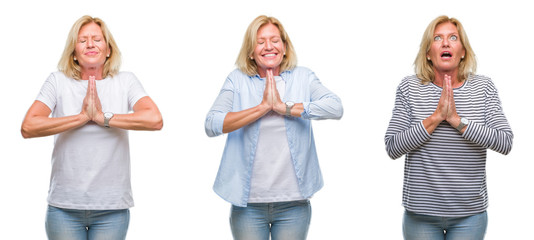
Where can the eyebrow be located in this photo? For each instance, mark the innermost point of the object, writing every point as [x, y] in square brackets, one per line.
[440, 34]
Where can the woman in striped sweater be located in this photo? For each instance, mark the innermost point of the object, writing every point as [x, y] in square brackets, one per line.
[444, 119]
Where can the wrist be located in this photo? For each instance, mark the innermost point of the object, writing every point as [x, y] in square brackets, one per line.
[264, 107]
[454, 120]
[84, 118]
[99, 118]
[280, 108]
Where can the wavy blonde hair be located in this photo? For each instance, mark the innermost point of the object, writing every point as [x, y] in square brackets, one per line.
[247, 65]
[423, 66]
[71, 68]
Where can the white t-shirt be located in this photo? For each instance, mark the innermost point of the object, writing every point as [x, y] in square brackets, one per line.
[273, 174]
[91, 164]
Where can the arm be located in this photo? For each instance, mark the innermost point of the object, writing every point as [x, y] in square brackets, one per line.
[237, 120]
[221, 119]
[323, 103]
[495, 133]
[402, 136]
[37, 122]
[145, 116]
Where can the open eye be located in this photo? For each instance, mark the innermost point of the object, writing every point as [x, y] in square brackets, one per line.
[437, 38]
[453, 38]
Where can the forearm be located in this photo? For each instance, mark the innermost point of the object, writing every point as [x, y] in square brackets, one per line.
[40, 126]
[237, 120]
[325, 108]
[141, 120]
[497, 139]
[297, 110]
[431, 123]
[400, 140]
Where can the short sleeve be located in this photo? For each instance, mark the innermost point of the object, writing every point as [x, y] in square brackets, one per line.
[135, 91]
[48, 93]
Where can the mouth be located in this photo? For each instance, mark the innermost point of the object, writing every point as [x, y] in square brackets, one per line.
[446, 54]
[270, 55]
[91, 53]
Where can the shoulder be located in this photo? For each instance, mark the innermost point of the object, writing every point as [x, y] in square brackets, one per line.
[411, 81]
[303, 74]
[298, 71]
[236, 73]
[59, 79]
[481, 81]
[58, 76]
[237, 76]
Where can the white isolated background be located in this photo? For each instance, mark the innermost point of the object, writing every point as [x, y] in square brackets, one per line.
[182, 52]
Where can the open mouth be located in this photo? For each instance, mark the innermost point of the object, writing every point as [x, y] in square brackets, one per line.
[446, 55]
[270, 55]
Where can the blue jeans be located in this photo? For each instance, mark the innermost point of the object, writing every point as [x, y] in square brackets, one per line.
[424, 227]
[282, 220]
[70, 224]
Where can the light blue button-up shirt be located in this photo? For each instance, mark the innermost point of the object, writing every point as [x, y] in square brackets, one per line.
[241, 92]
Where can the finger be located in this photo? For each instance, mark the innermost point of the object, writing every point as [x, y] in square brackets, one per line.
[269, 73]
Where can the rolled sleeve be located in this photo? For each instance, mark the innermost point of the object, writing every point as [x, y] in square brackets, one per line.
[222, 105]
[324, 104]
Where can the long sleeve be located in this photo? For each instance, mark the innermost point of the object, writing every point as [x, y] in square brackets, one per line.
[495, 133]
[324, 104]
[222, 105]
[403, 136]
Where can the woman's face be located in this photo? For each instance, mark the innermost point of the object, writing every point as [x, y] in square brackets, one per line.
[270, 49]
[91, 48]
[446, 49]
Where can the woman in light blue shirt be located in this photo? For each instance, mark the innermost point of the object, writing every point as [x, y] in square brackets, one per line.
[269, 168]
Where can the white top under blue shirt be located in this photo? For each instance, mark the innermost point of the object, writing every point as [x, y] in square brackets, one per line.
[273, 175]
[241, 92]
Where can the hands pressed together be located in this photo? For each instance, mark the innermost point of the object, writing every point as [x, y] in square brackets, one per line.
[446, 109]
[271, 97]
[92, 108]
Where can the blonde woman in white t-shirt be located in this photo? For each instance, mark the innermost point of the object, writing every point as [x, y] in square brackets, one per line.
[88, 105]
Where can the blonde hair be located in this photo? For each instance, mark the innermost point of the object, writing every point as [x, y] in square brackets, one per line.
[423, 66]
[247, 65]
[71, 68]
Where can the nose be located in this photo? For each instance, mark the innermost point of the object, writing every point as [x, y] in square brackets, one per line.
[268, 45]
[90, 43]
[445, 42]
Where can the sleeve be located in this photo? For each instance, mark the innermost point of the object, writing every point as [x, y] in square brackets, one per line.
[402, 136]
[495, 133]
[223, 104]
[135, 91]
[323, 103]
[48, 93]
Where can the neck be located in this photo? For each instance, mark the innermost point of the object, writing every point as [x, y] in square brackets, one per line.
[263, 72]
[439, 77]
[92, 71]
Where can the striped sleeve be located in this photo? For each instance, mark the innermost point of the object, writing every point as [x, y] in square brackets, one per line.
[495, 133]
[403, 136]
